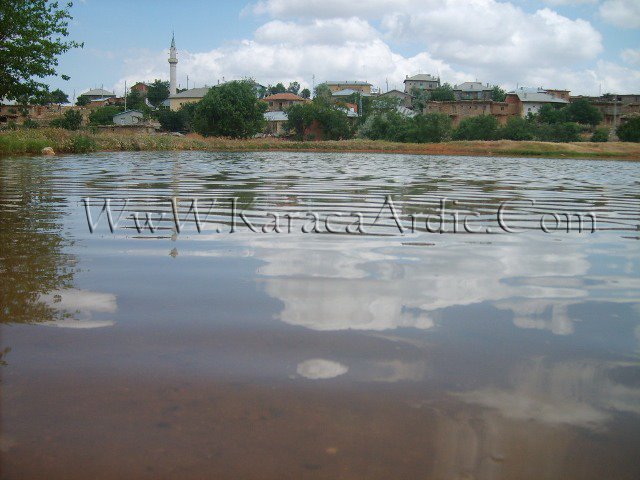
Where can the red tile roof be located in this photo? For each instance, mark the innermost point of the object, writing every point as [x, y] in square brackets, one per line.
[285, 96]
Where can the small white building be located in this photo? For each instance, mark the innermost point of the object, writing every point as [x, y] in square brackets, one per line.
[129, 117]
[531, 100]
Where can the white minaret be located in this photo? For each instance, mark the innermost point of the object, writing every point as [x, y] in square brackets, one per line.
[173, 62]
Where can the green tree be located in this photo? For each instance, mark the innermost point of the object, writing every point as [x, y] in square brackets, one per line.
[420, 98]
[518, 128]
[429, 128]
[104, 115]
[558, 132]
[294, 87]
[333, 122]
[277, 88]
[70, 120]
[230, 110]
[58, 96]
[582, 111]
[179, 121]
[630, 131]
[600, 135]
[323, 94]
[158, 92]
[443, 93]
[551, 114]
[498, 94]
[300, 117]
[135, 101]
[32, 37]
[82, 101]
[305, 93]
[482, 127]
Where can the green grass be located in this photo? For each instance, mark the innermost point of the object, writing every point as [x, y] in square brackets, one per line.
[32, 141]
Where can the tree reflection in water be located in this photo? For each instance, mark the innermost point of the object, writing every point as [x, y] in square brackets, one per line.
[33, 261]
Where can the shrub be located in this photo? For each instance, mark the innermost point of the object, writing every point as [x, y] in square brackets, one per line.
[560, 132]
[82, 144]
[600, 135]
[429, 128]
[630, 131]
[71, 120]
[28, 123]
[518, 128]
[230, 110]
[104, 115]
[483, 127]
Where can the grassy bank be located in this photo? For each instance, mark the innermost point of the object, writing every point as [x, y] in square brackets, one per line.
[63, 141]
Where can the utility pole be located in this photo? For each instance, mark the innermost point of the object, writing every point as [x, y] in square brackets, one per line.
[125, 95]
[313, 88]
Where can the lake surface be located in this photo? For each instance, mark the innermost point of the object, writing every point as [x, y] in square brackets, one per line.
[260, 343]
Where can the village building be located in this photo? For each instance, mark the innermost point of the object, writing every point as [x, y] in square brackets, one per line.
[141, 87]
[531, 100]
[16, 112]
[422, 81]
[460, 109]
[98, 94]
[276, 121]
[472, 91]
[129, 117]
[283, 101]
[356, 86]
[193, 95]
[403, 97]
[615, 109]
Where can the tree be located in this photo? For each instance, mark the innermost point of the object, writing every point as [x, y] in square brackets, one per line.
[323, 94]
[420, 98]
[230, 110]
[179, 121]
[630, 131]
[58, 96]
[429, 128]
[32, 37]
[158, 92]
[518, 128]
[294, 87]
[444, 93]
[581, 111]
[70, 120]
[559, 132]
[498, 94]
[104, 115]
[82, 101]
[482, 127]
[551, 114]
[333, 122]
[135, 101]
[274, 89]
[600, 135]
[305, 93]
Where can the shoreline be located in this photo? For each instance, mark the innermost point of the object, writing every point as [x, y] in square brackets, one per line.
[31, 142]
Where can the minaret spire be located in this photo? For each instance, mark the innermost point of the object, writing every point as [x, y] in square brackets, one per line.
[173, 62]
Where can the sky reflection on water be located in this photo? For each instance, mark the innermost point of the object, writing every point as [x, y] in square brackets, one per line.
[412, 355]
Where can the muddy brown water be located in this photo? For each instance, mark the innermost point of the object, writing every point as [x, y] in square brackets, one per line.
[168, 348]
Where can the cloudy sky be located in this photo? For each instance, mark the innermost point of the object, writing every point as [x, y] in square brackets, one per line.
[581, 45]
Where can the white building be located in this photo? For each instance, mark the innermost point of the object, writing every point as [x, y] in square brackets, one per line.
[531, 100]
[173, 67]
[129, 117]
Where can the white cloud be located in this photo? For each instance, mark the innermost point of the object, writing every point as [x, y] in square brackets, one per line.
[494, 42]
[621, 13]
[557, 3]
[631, 57]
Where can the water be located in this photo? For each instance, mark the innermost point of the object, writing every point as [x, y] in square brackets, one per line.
[394, 353]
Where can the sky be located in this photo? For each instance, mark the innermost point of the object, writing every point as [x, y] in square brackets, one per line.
[586, 46]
